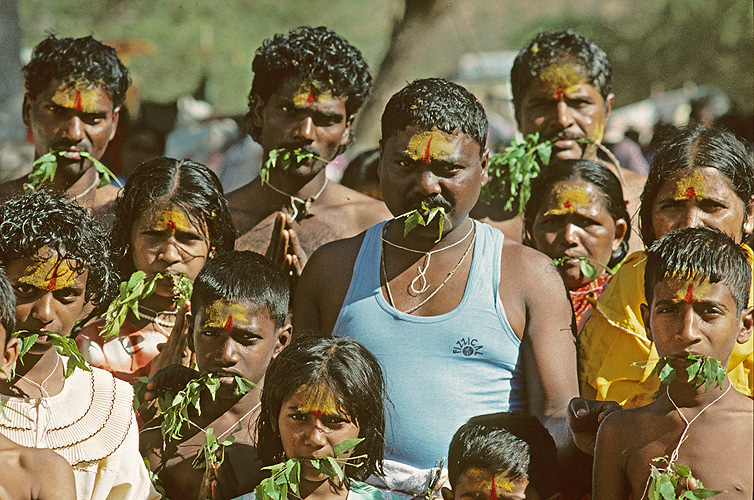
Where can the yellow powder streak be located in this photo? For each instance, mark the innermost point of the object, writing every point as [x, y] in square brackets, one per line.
[441, 145]
[171, 220]
[89, 94]
[561, 76]
[679, 288]
[567, 200]
[318, 398]
[691, 186]
[483, 480]
[218, 312]
[41, 275]
[316, 89]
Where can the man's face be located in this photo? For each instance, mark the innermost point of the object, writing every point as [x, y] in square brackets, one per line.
[479, 484]
[71, 116]
[236, 338]
[563, 106]
[303, 115]
[432, 167]
[695, 317]
[49, 294]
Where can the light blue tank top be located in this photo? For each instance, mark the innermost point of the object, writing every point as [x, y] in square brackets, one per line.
[439, 370]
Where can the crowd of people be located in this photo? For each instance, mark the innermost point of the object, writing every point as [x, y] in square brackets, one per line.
[297, 338]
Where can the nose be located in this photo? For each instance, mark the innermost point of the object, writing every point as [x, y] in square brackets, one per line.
[169, 251]
[430, 183]
[74, 129]
[570, 234]
[229, 353]
[565, 114]
[43, 310]
[692, 217]
[689, 332]
[305, 129]
[315, 435]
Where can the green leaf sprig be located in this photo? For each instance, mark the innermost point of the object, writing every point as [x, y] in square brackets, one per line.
[416, 218]
[286, 476]
[154, 479]
[511, 172]
[46, 165]
[283, 158]
[64, 345]
[664, 482]
[589, 267]
[175, 407]
[135, 289]
[212, 452]
[700, 370]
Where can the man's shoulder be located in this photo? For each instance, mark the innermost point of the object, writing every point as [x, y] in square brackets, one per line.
[357, 206]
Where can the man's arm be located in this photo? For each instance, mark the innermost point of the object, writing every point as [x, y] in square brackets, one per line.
[609, 480]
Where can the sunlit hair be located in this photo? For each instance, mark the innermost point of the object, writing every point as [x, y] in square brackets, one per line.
[64, 59]
[7, 306]
[548, 48]
[49, 219]
[347, 369]
[436, 102]
[693, 148]
[589, 171]
[243, 276]
[187, 184]
[510, 443]
[699, 254]
[309, 55]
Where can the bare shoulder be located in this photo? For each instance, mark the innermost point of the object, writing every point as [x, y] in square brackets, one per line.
[520, 261]
[359, 206]
[44, 461]
[337, 256]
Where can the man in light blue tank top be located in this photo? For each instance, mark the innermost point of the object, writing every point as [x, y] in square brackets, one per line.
[463, 321]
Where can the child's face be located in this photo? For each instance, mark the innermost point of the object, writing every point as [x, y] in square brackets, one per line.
[232, 338]
[164, 239]
[477, 484]
[693, 317]
[311, 424]
[49, 294]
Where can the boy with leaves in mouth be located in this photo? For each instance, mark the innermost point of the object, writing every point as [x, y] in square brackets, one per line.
[698, 433]
[74, 90]
[57, 261]
[24, 468]
[238, 325]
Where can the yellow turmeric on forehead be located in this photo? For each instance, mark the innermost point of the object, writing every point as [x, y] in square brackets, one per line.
[485, 481]
[318, 399]
[690, 186]
[224, 314]
[429, 145]
[561, 77]
[566, 200]
[688, 290]
[49, 274]
[309, 93]
[171, 218]
[78, 95]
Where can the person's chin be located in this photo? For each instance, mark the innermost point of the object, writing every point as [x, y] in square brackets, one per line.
[572, 153]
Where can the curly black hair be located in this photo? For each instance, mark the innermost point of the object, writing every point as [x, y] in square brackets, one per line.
[63, 59]
[7, 306]
[350, 371]
[436, 102]
[547, 48]
[186, 183]
[45, 218]
[310, 55]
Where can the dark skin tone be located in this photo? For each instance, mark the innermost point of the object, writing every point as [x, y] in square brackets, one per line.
[532, 291]
[565, 115]
[266, 225]
[60, 126]
[246, 350]
[718, 448]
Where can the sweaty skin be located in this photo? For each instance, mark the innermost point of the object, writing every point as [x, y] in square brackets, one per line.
[567, 200]
[78, 95]
[429, 145]
[221, 314]
[49, 274]
[691, 186]
[318, 399]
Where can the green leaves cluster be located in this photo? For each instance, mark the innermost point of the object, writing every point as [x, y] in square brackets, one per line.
[588, 267]
[700, 370]
[664, 482]
[283, 158]
[175, 407]
[132, 291]
[415, 218]
[64, 345]
[212, 452]
[154, 479]
[511, 172]
[46, 165]
[286, 476]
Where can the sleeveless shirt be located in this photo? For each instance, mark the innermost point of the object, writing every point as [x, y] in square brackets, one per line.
[439, 370]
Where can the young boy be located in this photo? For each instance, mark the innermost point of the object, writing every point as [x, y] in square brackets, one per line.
[24, 468]
[240, 303]
[697, 286]
[57, 261]
[501, 456]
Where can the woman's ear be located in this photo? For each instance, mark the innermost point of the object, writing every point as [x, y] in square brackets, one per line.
[620, 232]
[10, 356]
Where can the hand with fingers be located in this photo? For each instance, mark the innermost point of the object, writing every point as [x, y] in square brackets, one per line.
[584, 417]
[284, 248]
[171, 378]
[219, 482]
[176, 349]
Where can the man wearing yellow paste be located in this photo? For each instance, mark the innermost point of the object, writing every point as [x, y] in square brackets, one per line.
[74, 90]
[57, 262]
[240, 303]
[465, 323]
[562, 89]
[301, 99]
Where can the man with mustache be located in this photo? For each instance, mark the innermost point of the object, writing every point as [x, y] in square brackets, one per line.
[308, 85]
[562, 89]
[74, 91]
[463, 320]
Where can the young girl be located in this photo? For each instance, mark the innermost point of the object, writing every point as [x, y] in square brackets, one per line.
[576, 214]
[319, 392]
[170, 218]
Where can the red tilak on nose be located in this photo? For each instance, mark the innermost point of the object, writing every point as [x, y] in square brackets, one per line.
[690, 293]
[567, 204]
[171, 224]
[493, 490]
[229, 323]
[77, 101]
[310, 98]
[317, 413]
[425, 158]
[690, 192]
[559, 93]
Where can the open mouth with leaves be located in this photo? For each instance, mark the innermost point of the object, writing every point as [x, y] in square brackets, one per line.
[285, 159]
[45, 166]
[64, 345]
[423, 217]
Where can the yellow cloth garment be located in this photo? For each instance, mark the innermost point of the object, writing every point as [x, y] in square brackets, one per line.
[614, 338]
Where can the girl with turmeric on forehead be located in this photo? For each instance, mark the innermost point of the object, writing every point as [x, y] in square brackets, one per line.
[170, 218]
